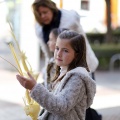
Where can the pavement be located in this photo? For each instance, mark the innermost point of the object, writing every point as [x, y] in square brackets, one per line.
[107, 99]
[106, 102]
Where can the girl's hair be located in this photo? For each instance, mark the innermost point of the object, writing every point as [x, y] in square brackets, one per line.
[44, 3]
[77, 42]
[57, 31]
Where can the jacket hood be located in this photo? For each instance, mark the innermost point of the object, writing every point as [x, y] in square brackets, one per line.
[88, 81]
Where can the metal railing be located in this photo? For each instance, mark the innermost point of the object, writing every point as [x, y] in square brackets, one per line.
[113, 60]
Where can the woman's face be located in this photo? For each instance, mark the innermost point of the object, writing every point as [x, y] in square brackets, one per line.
[46, 15]
[64, 53]
[52, 41]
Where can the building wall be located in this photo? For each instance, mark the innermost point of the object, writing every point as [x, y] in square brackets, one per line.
[97, 9]
[68, 4]
[28, 39]
[96, 13]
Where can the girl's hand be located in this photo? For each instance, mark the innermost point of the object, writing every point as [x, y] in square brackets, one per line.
[27, 83]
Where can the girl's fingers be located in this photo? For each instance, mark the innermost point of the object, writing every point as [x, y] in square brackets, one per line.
[18, 77]
[21, 77]
[21, 81]
[25, 82]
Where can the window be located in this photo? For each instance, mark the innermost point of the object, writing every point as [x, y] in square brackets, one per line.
[84, 4]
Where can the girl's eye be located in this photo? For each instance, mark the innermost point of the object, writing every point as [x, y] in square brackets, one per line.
[65, 50]
[56, 48]
[45, 12]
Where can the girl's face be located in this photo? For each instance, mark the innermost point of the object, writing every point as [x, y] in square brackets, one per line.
[64, 53]
[52, 41]
[46, 15]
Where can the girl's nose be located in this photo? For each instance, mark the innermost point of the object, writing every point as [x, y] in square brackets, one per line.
[42, 15]
[59, 53]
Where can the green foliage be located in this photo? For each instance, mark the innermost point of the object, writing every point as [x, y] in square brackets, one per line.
[100, 37]
[104, 52]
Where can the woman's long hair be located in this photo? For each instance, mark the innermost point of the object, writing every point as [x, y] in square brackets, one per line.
[57, 31]
[44, 3]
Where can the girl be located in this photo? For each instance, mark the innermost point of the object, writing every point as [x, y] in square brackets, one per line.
[53, 37]
[73, 89]
[50, 68]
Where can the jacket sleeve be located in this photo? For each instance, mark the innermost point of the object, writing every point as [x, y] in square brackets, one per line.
[62, 102]
[90, 55]
[92, 60]
[43, 46]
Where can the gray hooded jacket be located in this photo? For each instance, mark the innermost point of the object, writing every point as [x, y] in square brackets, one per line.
[71, 98]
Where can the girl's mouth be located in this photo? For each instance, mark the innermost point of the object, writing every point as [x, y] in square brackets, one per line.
[59, 59]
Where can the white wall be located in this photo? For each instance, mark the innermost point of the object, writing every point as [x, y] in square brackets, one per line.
[97, 8]
[28, 39]
[3, 15]
[71, 4]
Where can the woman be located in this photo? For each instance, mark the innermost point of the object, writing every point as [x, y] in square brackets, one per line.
[48, 16]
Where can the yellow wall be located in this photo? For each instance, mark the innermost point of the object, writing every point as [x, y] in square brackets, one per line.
[61, 3]
[114, 13]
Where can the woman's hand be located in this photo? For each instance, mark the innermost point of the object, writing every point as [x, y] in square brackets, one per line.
[27, 83]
